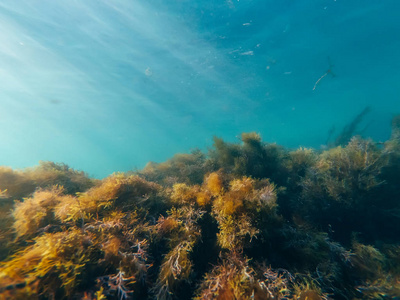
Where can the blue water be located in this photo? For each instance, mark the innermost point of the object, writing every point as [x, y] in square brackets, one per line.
[109, 85]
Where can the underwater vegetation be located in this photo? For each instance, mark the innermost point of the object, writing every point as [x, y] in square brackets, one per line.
[248, 220]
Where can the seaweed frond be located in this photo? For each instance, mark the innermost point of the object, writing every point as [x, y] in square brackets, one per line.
[38, 211]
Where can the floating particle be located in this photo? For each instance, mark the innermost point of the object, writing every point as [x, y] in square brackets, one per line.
[148, 72]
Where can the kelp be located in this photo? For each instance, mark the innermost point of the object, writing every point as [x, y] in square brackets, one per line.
[350, 129]
[248, 220]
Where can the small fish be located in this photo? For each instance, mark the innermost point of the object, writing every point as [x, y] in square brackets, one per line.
[247, 53]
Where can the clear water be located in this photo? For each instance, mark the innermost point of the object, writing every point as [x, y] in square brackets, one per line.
[107, 86]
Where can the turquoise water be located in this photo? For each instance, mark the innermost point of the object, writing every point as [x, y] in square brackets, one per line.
[107, 86]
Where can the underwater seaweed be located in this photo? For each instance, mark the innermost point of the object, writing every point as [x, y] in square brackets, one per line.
[115, 190]
[182, 232]
[15, 184]
[48, 173]
[298, 163]
[231, 279]
[247, 220]
[117, 285]
[22, 183]
[37, 212]
[181, 168]
[251, 158]
[308, 290]
[55, 261]
[350, 129]
[345, 181]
